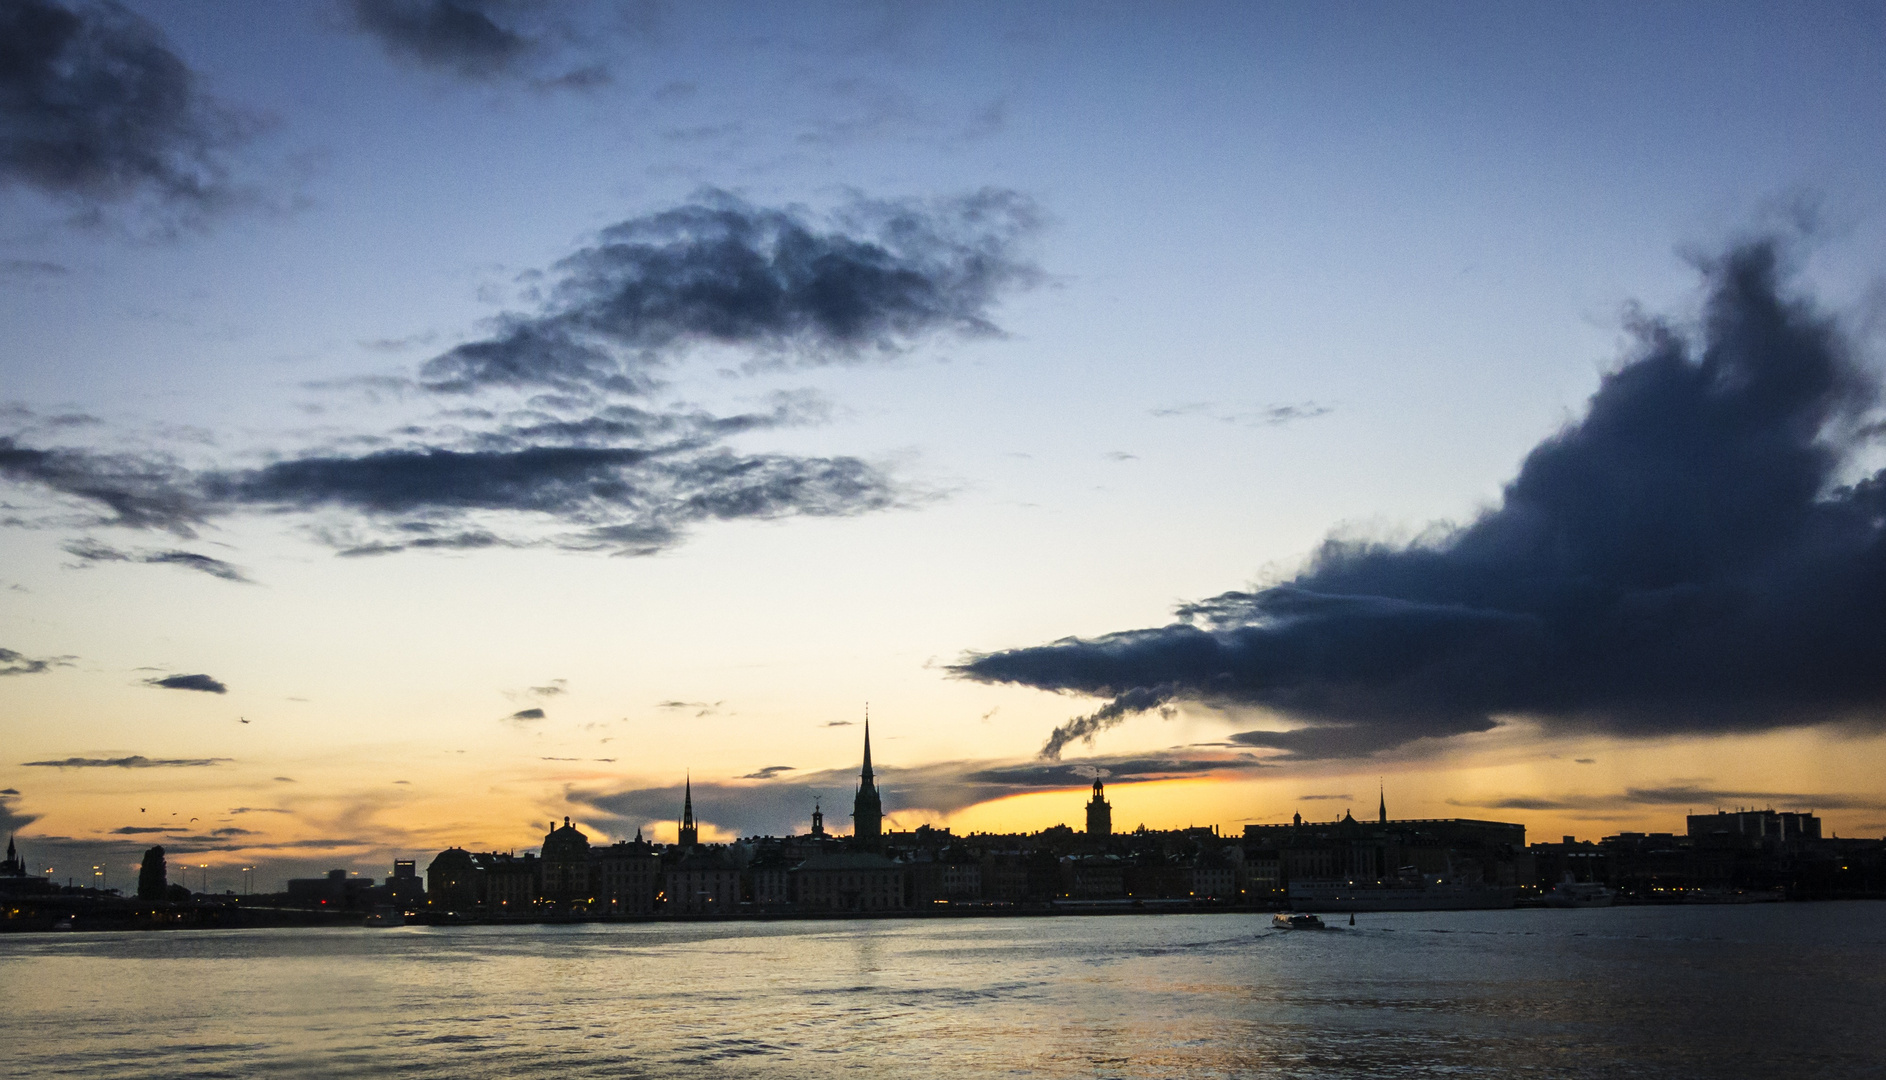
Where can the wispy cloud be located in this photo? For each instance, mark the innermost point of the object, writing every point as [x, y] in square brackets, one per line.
[14, 663]
[135, 761]
[90, 551]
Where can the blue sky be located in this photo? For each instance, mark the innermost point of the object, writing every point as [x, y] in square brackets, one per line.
[1269, 274]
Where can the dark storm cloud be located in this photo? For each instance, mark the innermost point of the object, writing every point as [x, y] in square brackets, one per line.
[202, 683]
[14, 663]
[464, 37]
[91, 551]
[874, 280]
[1685, 558]
[775, 805]
[96, 108]
[135, 761]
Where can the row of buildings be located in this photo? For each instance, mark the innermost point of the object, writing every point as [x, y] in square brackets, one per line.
[877, 871]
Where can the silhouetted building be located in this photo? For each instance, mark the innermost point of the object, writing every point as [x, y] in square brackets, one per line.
[14, 878]
[702, 881]
[848, 881]
[452, 881]
[565, 865]
[867, 809]
[1099, 813]
[404, 888]
[627, 877]
[818, 819]
[337, 889]
[1493, 852]
[509, 884]
[1753, 828]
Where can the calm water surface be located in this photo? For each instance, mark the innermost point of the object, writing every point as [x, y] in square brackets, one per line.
[1779, 990]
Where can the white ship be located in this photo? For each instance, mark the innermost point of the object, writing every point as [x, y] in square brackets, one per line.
[1406, 893]
[1569, 893]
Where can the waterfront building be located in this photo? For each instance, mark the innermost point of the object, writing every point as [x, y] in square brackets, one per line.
[565, 863]
[1099, 813]
[702, 881]
[407, 891]
[627, 877]
[14, 866]
[1753, 829]
[867, 808]
[1493, 852]
[848, 881]
[770, 874]
[509, 884]
[452, 881]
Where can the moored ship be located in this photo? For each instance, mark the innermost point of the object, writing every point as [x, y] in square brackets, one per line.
[1407, 892]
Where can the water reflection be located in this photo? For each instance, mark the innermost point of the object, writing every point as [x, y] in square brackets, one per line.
[1788, 990]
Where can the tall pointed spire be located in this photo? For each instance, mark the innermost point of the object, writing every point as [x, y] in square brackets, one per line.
[688, 834]
[867, 810]
[1382, 791]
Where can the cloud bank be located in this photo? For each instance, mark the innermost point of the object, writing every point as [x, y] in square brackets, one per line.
[1690, 556]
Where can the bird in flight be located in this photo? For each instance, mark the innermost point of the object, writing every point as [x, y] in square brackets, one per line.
[244, 719]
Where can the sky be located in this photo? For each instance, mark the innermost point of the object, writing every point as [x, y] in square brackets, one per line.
[421, 420]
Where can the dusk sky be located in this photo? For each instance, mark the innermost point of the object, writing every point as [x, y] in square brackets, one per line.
[422, 419]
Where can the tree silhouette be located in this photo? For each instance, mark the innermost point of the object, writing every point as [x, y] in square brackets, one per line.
[152, 877]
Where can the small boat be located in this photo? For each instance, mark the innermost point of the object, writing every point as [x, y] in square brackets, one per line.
[386, 918]
[1284, 920]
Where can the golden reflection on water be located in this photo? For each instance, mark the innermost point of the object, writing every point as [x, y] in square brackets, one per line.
[1778, 990]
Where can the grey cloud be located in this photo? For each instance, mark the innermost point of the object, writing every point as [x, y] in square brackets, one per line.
[632, 500]
[767, 773]
[1684, 558]
[459, 36]
[13, 663]
[526, 714]
[202, 683]
[95, 108]
[90, 551]
[135, 761]
[11, 820]
[1331, 798]
[138, 492]
[139, 830]
[874, 280]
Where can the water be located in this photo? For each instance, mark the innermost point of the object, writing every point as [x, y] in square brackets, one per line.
[1794, 990]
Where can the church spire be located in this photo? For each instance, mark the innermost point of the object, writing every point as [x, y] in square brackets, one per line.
[689, 834]
[1382, 811]
[867, 809]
